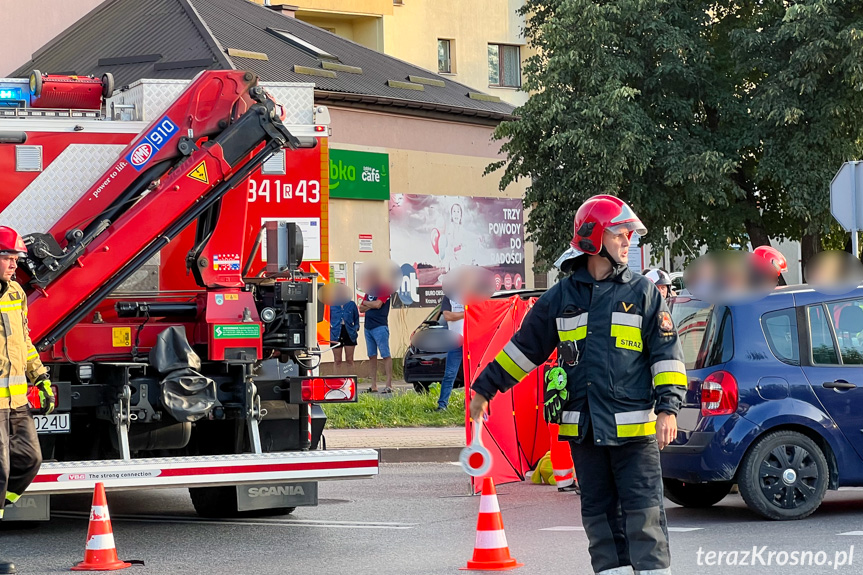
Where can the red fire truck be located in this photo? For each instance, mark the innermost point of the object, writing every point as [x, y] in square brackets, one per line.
[175, 232]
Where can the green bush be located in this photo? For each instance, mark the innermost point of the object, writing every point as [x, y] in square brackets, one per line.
[401, 409]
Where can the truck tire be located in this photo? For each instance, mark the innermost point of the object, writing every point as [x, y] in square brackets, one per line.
[221, 502]
[696, 495]
[784, 476]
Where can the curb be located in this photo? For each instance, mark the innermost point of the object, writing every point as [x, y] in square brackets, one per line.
[418, 454]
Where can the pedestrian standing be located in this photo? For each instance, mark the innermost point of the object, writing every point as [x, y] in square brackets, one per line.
[622, 385]
[376, 307]
[20, 454]
[344, 328]
[453, 314]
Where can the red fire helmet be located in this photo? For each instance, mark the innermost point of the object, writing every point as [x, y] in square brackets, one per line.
[601, 213]
[772, 256]
[11, 242]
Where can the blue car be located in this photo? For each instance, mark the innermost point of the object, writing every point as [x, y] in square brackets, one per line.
[774, 402]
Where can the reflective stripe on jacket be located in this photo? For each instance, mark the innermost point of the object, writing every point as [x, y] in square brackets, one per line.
[630, 365]
[19, 360]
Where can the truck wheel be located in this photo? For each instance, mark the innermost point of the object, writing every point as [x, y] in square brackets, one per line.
[221, 502]
[696, 495]
[784, 476]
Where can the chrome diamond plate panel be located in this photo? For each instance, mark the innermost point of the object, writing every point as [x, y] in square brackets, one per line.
[152, 98]
[298, 100]
[58, 187]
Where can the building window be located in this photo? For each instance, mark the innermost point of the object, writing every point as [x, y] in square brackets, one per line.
[504, 65]
[444, 56]
[297, 42]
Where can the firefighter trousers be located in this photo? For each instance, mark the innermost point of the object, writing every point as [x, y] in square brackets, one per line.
[621, 506]
[20, 454]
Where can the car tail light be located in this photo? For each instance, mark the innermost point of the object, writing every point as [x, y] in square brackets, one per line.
[329, 389]
[719, 394]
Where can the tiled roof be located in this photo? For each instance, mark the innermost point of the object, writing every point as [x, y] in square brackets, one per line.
[178, 38]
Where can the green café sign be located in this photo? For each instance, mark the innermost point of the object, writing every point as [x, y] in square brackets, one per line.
[359, 175]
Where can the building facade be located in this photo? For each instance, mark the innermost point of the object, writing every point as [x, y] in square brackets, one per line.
[407, 149]
[477, 42]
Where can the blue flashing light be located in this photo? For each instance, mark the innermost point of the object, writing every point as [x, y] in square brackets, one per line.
[10, 94]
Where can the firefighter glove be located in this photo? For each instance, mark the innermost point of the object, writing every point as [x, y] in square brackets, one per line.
[555, 394]
[46, 396]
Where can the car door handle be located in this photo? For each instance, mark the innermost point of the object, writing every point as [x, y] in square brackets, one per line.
[838, 384]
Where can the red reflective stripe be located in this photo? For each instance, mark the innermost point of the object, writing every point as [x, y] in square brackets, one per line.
[189, 471]
[489, 522]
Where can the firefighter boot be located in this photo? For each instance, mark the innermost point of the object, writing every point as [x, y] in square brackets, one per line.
[7, 567]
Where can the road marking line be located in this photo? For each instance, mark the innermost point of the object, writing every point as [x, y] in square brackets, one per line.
[579, 528]
[257, 522]
[852, 533]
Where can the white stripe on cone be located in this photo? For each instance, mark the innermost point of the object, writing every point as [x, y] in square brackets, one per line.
[488, 504]
[101, 542]
[99, 513]
[490, 539]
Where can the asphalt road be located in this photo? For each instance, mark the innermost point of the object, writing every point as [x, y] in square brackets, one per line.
[418, 519]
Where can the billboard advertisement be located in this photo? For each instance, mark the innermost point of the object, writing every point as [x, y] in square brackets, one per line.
[430, 235]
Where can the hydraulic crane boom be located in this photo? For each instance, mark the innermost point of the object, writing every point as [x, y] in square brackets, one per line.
[114, 229]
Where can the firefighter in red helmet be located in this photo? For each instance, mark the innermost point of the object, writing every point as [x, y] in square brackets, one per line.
[771, 260]
[622, 385]
[20, 455]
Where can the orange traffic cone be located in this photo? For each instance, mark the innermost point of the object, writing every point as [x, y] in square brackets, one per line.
[561, 459]
[100, 554]
[490, 553]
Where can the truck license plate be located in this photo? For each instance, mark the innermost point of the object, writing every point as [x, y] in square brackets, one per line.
[54, 423]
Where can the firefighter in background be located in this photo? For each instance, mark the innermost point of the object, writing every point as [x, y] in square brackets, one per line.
[773, 259]
[661, 280]
[20, 455]
[625, 381]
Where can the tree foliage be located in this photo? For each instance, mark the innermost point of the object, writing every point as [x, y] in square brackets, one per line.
[719, 122]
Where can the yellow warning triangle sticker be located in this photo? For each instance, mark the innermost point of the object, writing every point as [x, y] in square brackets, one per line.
[200, 173]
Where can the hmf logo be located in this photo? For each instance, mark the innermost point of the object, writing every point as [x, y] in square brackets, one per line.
[141, 154]
[277, 490]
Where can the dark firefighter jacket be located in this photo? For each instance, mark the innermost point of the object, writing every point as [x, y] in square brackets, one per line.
[630, 363]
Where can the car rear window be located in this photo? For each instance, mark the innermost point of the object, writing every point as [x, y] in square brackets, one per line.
[780, 331]
[705, 331]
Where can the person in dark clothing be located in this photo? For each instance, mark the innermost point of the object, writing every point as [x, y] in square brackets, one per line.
[621, 387]
[344, 328]
[376, 306]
